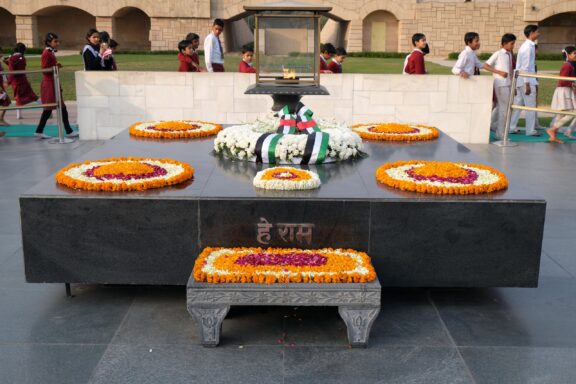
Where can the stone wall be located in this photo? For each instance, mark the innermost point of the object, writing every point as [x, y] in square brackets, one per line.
[109, 102]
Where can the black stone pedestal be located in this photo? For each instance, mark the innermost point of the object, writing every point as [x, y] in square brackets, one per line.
[154, 236]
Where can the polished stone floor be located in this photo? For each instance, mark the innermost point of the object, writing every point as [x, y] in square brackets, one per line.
[122, 334]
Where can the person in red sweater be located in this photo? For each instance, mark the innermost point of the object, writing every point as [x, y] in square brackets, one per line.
[186, 50]
[246, 62]
[195, 39]
[23, 92]
[414, 63]
[4, 98]
[47, 91]
[564, 98]
[326, 52]
[335, 65]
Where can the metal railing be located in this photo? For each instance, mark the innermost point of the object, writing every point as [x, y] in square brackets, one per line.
[58, 104]
[505, 142]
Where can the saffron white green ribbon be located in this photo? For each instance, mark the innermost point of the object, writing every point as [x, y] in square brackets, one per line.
[316, 147]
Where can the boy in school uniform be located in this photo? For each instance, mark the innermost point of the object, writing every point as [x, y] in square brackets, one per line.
[414, 62]
[326, 52]
[468, 63]
[185, 57]
[502, 64]
[245, 65]
[526, 86]
[335, 65]
[213, 52]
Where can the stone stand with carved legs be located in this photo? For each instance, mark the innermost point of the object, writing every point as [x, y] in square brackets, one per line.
[358, 304]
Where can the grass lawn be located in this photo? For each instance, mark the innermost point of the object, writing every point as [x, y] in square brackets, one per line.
[169, 62]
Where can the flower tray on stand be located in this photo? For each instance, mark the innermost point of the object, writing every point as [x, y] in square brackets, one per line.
[358, 303]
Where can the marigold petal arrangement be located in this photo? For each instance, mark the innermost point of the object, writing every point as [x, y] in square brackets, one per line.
[443, 178]
[283, 265]
[175, 129]
[286, 178]
[119, 174]
[395, 132]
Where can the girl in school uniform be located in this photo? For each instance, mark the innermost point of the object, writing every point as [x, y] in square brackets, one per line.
[92, 53]
[23, 92]
[47, 91]
[195, 39]
[4, 98]
[564, 98]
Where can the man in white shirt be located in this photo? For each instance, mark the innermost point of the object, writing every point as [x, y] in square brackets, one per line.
[468, 63]
[502, 63]
[213, 52]
[526, 86]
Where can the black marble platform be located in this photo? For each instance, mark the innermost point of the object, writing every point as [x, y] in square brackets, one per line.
[153, 237]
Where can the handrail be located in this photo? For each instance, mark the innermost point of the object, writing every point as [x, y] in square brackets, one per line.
[504, 142]
[551, 77]
[57, 105]
[23, 72]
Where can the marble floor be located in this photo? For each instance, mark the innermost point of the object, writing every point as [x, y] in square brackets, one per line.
[134, 334]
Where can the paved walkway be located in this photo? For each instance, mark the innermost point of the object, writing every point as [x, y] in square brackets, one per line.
[125, 334]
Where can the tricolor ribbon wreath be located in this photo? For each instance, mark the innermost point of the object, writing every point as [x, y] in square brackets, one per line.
[300, 122]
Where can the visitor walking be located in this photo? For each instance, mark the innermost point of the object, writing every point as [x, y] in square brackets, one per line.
[526, 86]
[47, 91]
[23, 92]
[564, 98]
[213, 52]
[414, 62]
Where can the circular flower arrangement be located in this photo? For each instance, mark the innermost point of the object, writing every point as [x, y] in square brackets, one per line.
[395, 132]
[444, 178]
[124, 174]
[177, 129]
[286, 178]
[283, 265]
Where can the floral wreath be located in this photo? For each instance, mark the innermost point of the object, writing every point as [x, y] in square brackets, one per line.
[439, 177]
[124, 174]
[175, 129]
[395, 132]
[286, 178]
[283, 265]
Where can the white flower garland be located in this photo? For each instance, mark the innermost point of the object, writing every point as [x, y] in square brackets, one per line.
[239, 141]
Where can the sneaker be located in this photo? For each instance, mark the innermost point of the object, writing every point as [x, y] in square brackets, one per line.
[535, 134]
[514, 132]
[73, 134]
[42, 136]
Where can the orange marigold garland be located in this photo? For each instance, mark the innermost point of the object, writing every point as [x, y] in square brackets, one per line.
[124, 174]
[177, 129]
[395, 132]
[283, 265]
[439, 177]
[286, 178]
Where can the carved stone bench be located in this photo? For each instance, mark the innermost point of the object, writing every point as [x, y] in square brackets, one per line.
[358, 303]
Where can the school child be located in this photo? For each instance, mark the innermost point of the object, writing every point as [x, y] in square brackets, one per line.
[501, 62]
[213, 52]
[414, 62]
[47, 91]
[195, 39]
[335, 65]
[468, 63]
[4, 98]
[113, 46]
[23, 92]
[92, 53]
[185, 58]
[564, 98]
[326, 52]
[245, 65]
[526, 86]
